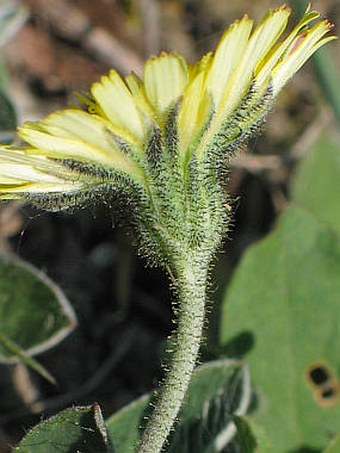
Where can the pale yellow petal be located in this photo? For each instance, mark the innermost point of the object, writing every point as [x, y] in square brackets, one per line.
[136, 87]
[194, 112]
[86, 127]
[202, 65]
[227, 58]
[300, 50]
[264, 68]
[165, 78]
[21, 173]
[262, 40]
[265, 37]
[116, 101]
[76, 124]
[59, 147]
[72, 134]
[13, 173]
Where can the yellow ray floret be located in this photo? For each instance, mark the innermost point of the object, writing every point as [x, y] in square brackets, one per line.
[301, 48]
[26, 174]
[228, 57]
[117, 103]
[165, 78]
[74, 134]
[255, 49]
[194, 112]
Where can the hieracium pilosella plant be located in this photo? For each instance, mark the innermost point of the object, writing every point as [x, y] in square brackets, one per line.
[160, 145]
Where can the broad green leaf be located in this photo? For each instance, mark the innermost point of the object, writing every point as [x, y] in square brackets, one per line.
[317, 182]
[217, 391]
[124, 426]
[80, 429]
[34, 313]
[285, 294]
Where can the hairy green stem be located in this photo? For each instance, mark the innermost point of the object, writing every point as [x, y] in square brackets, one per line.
[192, 279]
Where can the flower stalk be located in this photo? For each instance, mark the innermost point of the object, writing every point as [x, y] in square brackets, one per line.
[191, 288]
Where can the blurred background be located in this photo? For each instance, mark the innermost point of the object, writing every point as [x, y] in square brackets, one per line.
[49, 50]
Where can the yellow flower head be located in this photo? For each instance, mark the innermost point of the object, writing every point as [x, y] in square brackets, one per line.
[191, 111]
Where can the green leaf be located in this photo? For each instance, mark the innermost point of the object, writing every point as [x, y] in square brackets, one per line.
[34, 313]
[250, 437]
[13, 349]
[217, 391]
[81, 429]
[245, 436]
[317, 182]
[334, 446]
[285, 294]
[124, 426]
